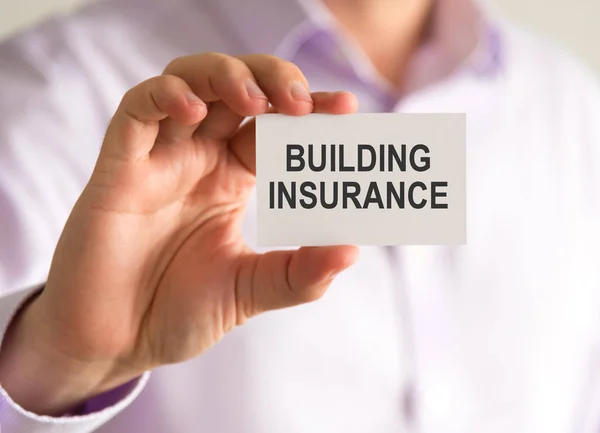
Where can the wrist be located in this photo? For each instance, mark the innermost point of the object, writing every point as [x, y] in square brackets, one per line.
[41, 379]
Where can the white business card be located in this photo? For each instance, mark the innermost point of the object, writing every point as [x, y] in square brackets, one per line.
[361, 179]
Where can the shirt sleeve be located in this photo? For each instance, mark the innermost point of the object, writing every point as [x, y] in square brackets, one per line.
[93, 414]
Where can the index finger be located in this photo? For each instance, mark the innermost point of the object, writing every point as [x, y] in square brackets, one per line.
[217, 77]
[243, 144]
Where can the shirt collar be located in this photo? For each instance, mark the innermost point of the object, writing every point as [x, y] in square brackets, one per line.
[460, 34]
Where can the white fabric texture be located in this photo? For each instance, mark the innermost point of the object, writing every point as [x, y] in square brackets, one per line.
[501, 335]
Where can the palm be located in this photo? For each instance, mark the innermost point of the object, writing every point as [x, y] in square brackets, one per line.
[204, 249]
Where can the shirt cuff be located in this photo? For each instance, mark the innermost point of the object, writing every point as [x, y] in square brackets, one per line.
[93, 414]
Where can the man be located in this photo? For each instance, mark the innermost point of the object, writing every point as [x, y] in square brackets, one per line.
[157, 261]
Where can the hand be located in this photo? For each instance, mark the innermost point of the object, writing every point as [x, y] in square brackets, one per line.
[151, 267]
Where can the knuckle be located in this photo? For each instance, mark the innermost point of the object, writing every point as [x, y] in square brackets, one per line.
[228, 66]
[282, 67]
[167, 82]
[133, 96]
[211, 56]
[207, 58]
[174, 65]
[130, 96]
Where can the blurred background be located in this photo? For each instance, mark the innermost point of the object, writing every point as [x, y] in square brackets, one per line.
[572, 23]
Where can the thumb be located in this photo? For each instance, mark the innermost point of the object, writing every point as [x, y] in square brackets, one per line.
[283, 279]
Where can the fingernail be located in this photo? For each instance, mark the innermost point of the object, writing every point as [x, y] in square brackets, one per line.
[193, 99]
[254, 91]
[300, 92]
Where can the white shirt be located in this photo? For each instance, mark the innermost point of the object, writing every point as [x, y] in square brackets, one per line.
[502, 335]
